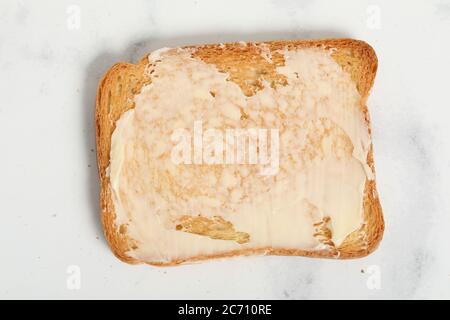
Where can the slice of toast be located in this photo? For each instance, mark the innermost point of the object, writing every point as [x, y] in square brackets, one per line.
[247, 66]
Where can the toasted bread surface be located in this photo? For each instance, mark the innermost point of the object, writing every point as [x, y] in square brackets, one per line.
[246, 67]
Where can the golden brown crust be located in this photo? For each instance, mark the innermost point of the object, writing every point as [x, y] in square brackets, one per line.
[247, 68]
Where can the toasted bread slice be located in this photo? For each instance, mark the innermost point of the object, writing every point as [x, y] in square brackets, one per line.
[124, 81]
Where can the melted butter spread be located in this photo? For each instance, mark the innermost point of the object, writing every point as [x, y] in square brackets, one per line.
[324, 141]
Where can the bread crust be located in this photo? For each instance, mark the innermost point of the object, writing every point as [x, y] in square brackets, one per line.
[123, 81]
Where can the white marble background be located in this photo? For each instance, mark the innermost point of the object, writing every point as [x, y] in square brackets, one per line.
[49, 69]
